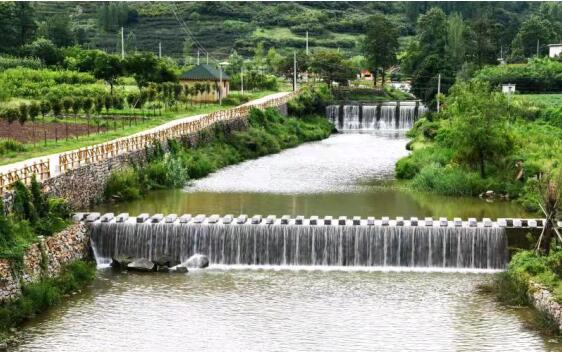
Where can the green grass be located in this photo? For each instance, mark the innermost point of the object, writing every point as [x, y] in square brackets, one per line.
[546, 100]
[47, 292]
[39, 149]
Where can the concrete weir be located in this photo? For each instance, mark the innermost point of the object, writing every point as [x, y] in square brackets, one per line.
[328, 241]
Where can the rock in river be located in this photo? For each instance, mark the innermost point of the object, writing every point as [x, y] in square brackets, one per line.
[197, 261]
[121, 262]
[142, 265]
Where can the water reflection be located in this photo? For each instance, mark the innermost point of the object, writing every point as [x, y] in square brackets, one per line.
[283, 310]
[341, 175]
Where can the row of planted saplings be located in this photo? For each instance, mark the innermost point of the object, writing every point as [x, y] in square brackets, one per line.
[104, 110]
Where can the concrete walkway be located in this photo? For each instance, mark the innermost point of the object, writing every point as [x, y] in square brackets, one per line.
[54, 158]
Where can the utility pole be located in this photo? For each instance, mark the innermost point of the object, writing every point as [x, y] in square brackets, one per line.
[220, 84]
[122, 43]
[242, 79]
[294, 71]
[438, 90]
[197, 56]
[207, 58]
[160, 49]
[537, 48]
[306, 42]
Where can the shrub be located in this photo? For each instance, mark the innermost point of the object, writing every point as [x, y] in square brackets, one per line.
[539, 75]
[269, 132]
[312, 100]
[123, 184]
[47, 292]
[450, 180]
[10, 145]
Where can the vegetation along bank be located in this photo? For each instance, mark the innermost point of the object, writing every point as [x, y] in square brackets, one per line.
[267, 132]
[43, 256]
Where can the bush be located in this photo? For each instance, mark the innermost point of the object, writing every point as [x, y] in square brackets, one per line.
[268, 132]
[312, 100]
[38, 296]
[123, 184]
[539, 75]
[10, 62]
[9, 145]
[450, 180]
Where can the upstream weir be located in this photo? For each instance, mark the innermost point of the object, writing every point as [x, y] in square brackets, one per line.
[298, 241]
[399, 115]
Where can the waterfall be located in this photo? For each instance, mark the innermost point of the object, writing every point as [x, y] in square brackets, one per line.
[306, 244]
[351, 119]
[369, 117]
[375, 117]
[387, 119]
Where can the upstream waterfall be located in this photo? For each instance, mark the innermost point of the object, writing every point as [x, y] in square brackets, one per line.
[305, 244]
[384, 116]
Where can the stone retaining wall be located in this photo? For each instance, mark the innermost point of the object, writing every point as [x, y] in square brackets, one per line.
[44, 258]
[84, 186]
[544, 301]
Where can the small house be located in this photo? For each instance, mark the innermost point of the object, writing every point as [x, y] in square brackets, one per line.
[208, 79]
[508, 88]
[365, 75]
[555, 50]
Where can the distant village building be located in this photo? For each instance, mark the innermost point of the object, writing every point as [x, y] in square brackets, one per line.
[555, 50]
[365, 75]
[508, 88]
[207, 75]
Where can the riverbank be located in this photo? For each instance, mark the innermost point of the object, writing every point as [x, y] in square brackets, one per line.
[533, 281]
[50, 269]
[480, 142]
[262, 133]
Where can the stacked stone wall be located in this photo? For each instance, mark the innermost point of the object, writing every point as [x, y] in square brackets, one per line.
[45, 258]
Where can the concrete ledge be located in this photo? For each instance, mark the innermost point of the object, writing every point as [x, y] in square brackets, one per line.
[315, 220]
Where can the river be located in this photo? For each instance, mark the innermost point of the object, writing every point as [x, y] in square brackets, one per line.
[345, 175]
[294, 308]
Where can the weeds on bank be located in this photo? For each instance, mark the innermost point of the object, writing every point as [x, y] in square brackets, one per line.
[47, 292]
[268, 132]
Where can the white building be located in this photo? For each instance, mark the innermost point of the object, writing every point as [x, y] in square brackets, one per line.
[555, 50]
[508, 88]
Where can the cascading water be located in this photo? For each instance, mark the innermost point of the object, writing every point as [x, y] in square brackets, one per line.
[387, 120]
[308, 245]
[351, 120]
[375, 117]
[369, 117]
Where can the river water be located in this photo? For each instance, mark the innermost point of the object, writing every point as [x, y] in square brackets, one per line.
[294, 308]
[344, 175]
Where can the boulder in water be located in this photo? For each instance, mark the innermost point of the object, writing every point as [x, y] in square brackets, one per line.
[179, 269]
[197, 261]
[121, 262]
[165, 260]
[162, 268]
[142, 265]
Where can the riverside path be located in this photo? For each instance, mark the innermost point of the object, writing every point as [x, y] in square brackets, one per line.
[51, 163]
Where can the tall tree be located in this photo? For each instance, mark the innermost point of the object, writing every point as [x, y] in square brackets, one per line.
[457, 40]
[25, 21]
[57, 29]
[478, 132]
[108, 68]
[484, 41]
[331, 66]
[380, 45]
[426, 58]
[534, 31]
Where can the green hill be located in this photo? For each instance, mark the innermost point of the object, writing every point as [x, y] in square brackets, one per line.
[221, 27]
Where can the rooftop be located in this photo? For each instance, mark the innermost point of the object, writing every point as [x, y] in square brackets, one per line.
[204, 72]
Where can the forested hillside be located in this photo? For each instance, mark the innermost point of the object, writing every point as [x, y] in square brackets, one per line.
[221, 27]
